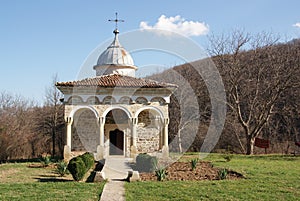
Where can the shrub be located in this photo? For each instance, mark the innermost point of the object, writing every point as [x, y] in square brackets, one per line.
[77, 168]
[61, 168]
[222, 174]
[146, 163]
[161, 174]
[194, 163]
[88, 160]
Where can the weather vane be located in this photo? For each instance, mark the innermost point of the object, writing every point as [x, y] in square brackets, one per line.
[116, 20]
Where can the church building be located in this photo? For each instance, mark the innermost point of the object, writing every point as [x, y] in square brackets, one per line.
[115, 113]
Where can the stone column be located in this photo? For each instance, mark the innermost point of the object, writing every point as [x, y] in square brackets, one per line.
[100, 147]
[67, 147]
[133, 148]
[165, 148]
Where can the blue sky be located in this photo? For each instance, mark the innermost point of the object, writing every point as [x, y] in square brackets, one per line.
[41, 38]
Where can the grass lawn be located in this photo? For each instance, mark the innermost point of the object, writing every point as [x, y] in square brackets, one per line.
[20, 182]
[270, 177]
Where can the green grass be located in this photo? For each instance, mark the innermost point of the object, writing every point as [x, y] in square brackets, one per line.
[272, 177]
[20, 182]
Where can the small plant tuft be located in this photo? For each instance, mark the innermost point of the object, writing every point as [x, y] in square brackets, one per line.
[161, 174]
[194, 163]
[228, 157]
[62, 168]
[222, 174]
[46, 160]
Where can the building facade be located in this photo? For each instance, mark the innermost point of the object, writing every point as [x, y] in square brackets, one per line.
[115, 113]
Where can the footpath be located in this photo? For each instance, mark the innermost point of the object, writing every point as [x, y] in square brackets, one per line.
[115, 171]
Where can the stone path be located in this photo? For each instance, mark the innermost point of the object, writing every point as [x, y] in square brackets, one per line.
[113, 191]
[115, 171]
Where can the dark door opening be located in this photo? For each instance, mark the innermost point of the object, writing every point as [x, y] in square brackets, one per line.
[116, 138]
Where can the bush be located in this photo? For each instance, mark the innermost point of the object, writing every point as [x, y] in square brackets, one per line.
[161, 174]
[222, 174]
[88, 160]
[146, 163]
[61, 168]
[77, 168]
[194, 163]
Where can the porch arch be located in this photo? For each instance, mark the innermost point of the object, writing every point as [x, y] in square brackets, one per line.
[117, 107]
[149, 108]
[84, 130]
[84, 107]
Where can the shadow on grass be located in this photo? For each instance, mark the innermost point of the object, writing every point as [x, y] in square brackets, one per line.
[53, 179]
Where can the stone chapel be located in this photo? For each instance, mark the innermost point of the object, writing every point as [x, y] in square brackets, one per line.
[116, 113]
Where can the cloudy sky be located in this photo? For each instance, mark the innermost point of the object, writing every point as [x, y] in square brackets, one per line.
[41, 38]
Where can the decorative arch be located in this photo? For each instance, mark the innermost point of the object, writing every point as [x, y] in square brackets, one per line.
[161, 100]
[109, 100]
[117, 107]
[141, 100]
[93, 100]
[125, 100]
[75, 100]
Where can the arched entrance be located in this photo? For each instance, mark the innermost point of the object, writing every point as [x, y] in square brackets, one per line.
[117, 132]
[116, 138]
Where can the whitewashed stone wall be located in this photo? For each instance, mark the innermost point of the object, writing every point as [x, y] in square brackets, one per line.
[148, 133]
[148, 139]
[85, 135]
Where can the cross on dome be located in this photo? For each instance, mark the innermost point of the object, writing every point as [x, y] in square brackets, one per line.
[116, 21]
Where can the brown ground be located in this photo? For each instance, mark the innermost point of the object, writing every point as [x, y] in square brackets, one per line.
[183, 171]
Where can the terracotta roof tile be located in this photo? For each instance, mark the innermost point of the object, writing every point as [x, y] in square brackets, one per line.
[116, 80]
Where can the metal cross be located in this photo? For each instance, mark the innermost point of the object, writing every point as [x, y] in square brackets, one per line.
[116, 20]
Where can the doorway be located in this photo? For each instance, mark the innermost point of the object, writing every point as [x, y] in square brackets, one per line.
[116, 139]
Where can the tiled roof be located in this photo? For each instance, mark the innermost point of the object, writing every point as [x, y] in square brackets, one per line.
[116, 80]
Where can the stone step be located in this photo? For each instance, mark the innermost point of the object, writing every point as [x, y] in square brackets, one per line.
[116, 168]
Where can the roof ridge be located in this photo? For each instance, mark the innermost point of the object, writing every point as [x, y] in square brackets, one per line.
[115, 80]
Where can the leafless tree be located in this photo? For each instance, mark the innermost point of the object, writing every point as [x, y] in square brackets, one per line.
[15, 126]
[254, 81]
[54, 116]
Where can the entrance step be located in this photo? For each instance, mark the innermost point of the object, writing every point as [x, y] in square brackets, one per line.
[117, 167]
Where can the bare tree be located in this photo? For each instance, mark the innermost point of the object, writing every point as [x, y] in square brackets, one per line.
[54, 116]
[15, 126]
[254, 81]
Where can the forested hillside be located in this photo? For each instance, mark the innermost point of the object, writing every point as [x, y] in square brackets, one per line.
[262, 91]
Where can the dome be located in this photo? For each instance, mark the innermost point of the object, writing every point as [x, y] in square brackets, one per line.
[115, 59]
[115, 54]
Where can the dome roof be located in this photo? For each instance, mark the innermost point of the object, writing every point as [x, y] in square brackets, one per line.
[115, 54]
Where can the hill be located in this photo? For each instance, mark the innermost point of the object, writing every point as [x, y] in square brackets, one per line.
[262, 91]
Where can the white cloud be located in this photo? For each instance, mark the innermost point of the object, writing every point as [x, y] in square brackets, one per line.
[297, 25]
[177, 24]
